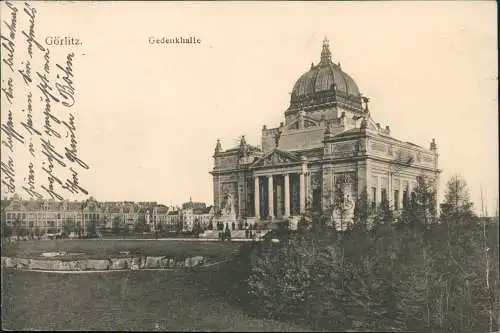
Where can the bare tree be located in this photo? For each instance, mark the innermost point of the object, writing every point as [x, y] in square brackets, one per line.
[457, 207]
[489, 290]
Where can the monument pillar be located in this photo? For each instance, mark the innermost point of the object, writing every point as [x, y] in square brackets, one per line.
[270, 196]
[256, 197]
[287, 194]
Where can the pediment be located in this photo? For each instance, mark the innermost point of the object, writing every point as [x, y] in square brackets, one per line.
[308, 122]
[276, 157]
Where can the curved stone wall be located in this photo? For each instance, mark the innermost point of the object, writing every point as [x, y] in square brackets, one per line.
[131, 263]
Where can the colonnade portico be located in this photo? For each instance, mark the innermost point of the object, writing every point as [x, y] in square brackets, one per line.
[278, 205]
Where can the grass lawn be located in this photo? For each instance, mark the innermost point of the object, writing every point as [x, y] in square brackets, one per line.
[134, 300]
[102, 249]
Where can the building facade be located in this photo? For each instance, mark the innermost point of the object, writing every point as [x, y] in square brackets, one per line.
[190, 216]
[45, 214]
[123, 215]
[328, 140]
[51, 214]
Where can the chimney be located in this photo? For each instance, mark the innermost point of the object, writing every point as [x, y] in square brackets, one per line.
[388, 129]
[378, 125]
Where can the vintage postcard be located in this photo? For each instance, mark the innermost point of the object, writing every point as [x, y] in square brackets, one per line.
[249, 166]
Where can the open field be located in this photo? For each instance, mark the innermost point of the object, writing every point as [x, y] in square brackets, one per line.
[134, 300]
[103, 249]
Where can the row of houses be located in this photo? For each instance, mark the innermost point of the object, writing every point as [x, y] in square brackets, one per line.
[51, 214]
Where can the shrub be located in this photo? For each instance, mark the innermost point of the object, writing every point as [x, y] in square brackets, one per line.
[392, 278]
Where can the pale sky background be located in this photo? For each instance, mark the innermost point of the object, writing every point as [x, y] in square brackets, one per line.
[148, 116]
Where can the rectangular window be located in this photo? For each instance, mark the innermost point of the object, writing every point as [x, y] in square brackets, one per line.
[396, 199]
[405, 199]
[384, 196]
[317, 199]
[374, 197]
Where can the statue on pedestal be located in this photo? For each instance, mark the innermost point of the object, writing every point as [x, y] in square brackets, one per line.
[227, 206]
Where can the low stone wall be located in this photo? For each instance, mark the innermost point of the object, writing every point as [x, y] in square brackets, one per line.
[132, 263]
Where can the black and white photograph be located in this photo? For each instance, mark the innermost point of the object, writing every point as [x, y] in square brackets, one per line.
[249, 166]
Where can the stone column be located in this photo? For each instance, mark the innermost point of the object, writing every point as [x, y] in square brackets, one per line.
[287, 195]
[379, 190]
[256, 197]
[390, 192]
[270, 196]
[302, 193]
[401, 189]
[308, 189]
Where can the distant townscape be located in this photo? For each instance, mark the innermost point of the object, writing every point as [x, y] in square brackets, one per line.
[39, 217]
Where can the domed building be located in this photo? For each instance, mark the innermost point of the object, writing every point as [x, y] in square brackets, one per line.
[327, 149]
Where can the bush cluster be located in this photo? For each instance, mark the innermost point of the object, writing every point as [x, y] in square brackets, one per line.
[393, 278]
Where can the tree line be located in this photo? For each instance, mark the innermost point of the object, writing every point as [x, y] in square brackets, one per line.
[419, 274]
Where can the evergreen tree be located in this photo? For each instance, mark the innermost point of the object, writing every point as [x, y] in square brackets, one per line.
[302, 225]
[92, 228]
[385, 212]
[67, 227]
[6, 230]
[197, 229]
[116, 226]
[141, 224]
[403, 279]
[329, 299]
[18, 226]
[362, 210]
[420, 208]
[339, 208]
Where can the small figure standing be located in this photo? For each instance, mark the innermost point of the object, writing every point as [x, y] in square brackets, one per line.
[227, 232]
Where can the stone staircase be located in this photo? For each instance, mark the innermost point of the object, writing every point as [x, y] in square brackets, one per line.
[277, 223]
[235, 234]
[210, 234]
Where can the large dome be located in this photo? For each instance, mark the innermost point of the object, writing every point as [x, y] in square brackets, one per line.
[325, 83]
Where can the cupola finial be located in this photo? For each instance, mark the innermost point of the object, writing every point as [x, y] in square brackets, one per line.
[433, 144]
[326, 56]
[218, 147]
[366, 100]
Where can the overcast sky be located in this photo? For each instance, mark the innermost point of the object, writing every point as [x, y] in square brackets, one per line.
[148, 116]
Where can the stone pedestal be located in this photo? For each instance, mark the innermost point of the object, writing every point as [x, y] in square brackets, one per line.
[294, 222]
